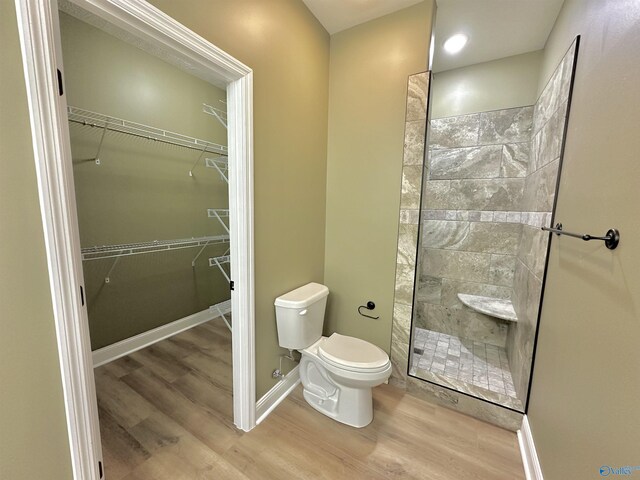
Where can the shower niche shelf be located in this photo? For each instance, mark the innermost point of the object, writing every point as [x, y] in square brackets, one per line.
[494, 307]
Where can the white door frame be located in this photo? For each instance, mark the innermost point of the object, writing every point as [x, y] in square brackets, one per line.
[42, 58]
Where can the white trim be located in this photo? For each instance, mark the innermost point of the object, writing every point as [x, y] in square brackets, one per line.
[41, 51]
[530, 460]
[240, 128]
[138, 342]
[277, 394]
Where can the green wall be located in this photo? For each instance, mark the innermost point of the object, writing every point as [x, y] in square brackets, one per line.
[583, 407]
[370, 65]
[504, 83]
[33, 431]
[288, 50]
[141, 191]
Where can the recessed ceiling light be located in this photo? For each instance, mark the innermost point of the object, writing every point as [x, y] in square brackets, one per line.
[455, 43]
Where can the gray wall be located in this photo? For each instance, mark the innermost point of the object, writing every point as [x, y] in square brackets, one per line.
[583, 409]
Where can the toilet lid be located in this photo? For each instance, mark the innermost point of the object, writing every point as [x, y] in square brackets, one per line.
[352, 352]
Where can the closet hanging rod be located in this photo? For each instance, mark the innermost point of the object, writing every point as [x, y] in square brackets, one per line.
[611, 239]
[123, 250]
[98, 120]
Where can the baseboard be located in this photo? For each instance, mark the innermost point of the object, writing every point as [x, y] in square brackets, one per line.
[125, 347]
[530, 460]
[277, 394]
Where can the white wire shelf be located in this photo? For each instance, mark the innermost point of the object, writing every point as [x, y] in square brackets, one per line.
[98, 120]
[218, 113]
[223, 309]
[219, 213]
[111, 251]
[218, 262]
[221, 164]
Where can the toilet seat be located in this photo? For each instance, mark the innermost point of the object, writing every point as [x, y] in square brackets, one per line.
[353, 354]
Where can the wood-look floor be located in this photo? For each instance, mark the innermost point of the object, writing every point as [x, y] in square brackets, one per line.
[166, 414]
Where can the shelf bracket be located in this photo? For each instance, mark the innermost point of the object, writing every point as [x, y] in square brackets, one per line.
[222, 166]
[107, 278]
[218, 262]
[223, 309]
[193, 262]
[197, 161]
[104, 131]
[219, 115]
[219, 213]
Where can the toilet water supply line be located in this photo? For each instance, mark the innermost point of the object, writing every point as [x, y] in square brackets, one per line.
[277, 373]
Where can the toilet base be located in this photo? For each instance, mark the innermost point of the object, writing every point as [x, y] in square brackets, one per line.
[351, 406]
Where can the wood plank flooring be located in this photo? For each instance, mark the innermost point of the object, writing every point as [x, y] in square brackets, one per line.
[166, 414]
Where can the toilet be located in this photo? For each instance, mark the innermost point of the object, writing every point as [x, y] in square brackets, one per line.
[337, 372]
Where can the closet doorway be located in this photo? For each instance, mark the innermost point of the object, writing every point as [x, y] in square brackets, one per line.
[143, 139]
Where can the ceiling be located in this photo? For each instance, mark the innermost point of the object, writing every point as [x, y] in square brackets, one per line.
[496, 28]
[337, 15]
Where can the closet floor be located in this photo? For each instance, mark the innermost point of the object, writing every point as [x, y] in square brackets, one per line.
[166, 413]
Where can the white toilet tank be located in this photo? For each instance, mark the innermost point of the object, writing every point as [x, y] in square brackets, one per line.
[300, 315]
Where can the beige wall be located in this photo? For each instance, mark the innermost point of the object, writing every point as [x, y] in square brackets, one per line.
[583, 408]
[288, 50]
[504, 83]
[141, 191]
[370, 64]
[33, 433]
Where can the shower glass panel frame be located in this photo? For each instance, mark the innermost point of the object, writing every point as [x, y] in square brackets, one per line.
[489, 184]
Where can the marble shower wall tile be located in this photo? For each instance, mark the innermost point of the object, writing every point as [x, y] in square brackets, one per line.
[407, 244]
[405, 276]
[533, 249]
[429, 290]
[455, 132]
[456, 265]
[502, 270]
[410, 216]
[468, 162]
[515, 159]
[411, 187]
[549, 100]
[471, 236]
[556, 91]
[414, 136]
[506, 126]
[413, 162]
[540, 188]
[503, 194]
[417, 90]
[401, 328]
[547, 143]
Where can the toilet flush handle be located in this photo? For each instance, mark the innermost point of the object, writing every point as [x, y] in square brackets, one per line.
[303, 312]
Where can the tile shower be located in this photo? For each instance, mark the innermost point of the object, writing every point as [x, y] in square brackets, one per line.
[471, 230]
[488, 184]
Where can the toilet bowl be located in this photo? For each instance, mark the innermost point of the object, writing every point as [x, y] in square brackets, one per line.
[340, 387]
[337, 372]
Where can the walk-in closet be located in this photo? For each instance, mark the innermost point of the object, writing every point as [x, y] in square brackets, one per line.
[150, 168]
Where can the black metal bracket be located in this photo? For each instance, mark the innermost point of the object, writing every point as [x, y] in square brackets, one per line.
[611, 239]
[369, 306]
